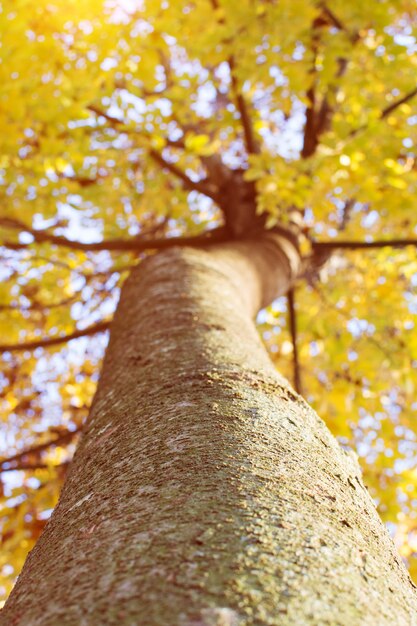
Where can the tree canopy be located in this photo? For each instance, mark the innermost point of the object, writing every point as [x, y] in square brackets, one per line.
[128, 126]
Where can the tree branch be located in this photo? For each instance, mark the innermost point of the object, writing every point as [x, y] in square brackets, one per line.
[389, 109]
[251, 143]
[61, 439]
[32, 466]
[310, 138]
[386, 112]
[292, 318]
[116, 121]
[38, 306]
[47, 342]
[332, 17]
[135, 244]
[318, 118]
[361, 245]
[346, 213]
[202, 186]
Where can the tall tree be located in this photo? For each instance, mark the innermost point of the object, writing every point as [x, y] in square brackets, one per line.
[255, 154]
[204, 491]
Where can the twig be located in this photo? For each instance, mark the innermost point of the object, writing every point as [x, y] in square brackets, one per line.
[47, 342]
[333, 19]
[389, 109]
[202, 186]
[348, 317]
[385, 112]
[38, 306]
[32, 466]
[116, 121]
[61, 439]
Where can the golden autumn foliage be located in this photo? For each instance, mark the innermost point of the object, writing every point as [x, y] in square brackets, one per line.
[113, 117]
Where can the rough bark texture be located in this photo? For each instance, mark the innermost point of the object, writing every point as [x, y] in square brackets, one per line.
[205, 492]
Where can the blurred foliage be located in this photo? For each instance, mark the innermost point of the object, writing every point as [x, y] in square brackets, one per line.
[109, 112]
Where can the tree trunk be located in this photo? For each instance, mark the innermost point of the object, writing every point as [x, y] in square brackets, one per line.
[204, 491]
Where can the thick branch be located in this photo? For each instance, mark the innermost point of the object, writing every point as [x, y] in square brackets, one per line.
[136, 244]
[310, 139]
[318, 117]
[47, 342]
[248, 134]
[360, 245]
[251, 144]
[292, 317]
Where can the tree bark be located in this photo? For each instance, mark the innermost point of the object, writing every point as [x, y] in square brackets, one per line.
[204, 491]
